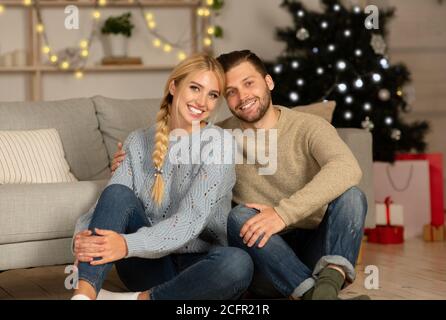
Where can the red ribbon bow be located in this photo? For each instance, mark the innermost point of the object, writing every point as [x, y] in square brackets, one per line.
[388, 201]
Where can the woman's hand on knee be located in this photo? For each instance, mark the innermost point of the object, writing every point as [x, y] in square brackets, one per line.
[112, 248]
[86, 246]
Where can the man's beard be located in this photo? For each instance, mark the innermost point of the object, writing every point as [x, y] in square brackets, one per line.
[264, 104]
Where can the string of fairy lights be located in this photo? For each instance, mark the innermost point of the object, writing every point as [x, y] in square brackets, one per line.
[159, 41]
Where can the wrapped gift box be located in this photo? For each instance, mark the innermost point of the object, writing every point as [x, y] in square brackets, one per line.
[407, 182]
[390, 221]
[433, 233]
[385, 234]
[389, 214]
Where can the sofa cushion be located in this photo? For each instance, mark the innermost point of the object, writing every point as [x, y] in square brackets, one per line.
[33, 156]
[78, 127]
[118, 117]
[30, 212]
[321, 109]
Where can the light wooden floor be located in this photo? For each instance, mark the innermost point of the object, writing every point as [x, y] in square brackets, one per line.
[413, 270]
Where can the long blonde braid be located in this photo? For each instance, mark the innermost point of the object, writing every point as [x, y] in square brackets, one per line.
[193, 64]
[160, 150]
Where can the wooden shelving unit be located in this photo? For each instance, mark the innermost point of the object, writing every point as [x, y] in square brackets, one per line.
[36, 69]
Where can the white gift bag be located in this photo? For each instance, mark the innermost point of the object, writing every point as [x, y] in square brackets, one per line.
[407, 183]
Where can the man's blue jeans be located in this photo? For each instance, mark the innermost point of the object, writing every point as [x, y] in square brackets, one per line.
[289, 263]
[222, 273]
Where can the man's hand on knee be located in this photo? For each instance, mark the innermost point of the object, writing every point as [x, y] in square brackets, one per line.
[263, 225]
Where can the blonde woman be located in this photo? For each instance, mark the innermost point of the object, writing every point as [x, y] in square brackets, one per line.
[161, 223]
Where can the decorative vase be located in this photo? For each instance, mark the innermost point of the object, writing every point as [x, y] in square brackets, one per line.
[115, 45]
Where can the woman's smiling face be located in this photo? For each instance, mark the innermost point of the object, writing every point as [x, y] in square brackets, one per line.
[194, 99]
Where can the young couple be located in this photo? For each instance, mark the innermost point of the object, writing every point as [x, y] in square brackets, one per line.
[169, 228]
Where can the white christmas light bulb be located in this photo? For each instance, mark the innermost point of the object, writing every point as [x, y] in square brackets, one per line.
[367, 106]
[320, 70]
[294, 64]
[358, 52]
[376, 77]
[384, 63]
[342, 87]
[359, 83]
[278, 68]
[294, 96]
[349, 99]
[341, 65]
[348, 115]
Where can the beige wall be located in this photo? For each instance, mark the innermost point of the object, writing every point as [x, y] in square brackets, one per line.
[418, 38]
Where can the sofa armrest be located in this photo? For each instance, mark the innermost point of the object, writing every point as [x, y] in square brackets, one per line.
[32, 212]
[360, 143]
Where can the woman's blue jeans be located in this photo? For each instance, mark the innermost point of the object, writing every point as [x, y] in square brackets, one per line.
[222, 273]
[290, 262]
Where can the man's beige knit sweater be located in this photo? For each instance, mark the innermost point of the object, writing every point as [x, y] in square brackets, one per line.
[314, 167]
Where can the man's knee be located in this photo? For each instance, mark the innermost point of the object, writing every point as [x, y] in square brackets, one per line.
[237, 218]
[354, 206]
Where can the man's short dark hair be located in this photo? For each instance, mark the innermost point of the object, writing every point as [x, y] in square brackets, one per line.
[234, 58]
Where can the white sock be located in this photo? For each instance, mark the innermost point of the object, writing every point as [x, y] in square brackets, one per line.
[108, 295]
[80, 297]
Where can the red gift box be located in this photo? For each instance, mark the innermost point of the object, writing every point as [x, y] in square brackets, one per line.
[387, 234]
[436, 183]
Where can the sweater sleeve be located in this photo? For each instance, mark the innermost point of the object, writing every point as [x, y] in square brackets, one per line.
[339, 172]
[194, 213]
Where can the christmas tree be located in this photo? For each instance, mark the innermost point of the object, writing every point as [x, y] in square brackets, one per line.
[339, 55]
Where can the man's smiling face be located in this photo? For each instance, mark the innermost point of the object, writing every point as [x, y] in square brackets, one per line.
[247, 92]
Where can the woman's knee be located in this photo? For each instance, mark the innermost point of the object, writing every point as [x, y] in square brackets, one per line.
[118, 192]
[235, 267]
[117, 201]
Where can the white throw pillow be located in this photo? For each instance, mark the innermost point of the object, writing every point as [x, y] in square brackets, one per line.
[34, 156]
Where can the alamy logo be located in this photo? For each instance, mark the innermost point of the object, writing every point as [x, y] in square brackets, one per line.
[72, 280]
[227, 146]
[371, 282]
[372, 20]
[72, 18]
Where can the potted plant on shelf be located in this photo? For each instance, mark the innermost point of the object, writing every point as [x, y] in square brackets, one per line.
[116, 32]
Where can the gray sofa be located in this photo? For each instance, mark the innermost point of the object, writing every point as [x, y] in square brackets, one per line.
[37, 221]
